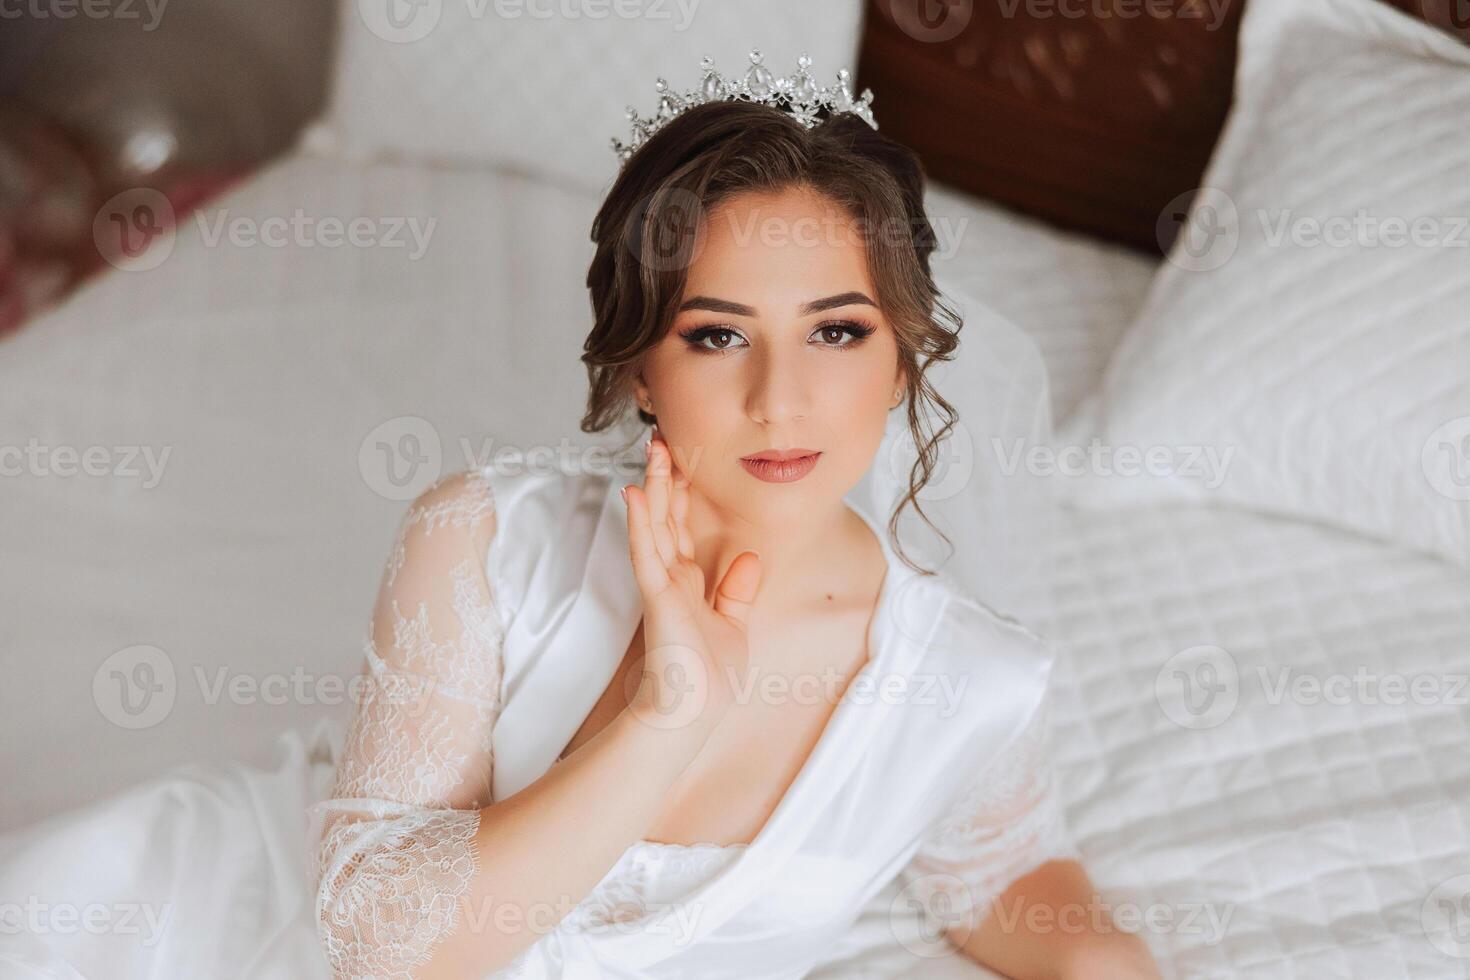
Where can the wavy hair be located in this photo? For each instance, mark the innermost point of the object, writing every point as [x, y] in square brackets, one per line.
[647, 227]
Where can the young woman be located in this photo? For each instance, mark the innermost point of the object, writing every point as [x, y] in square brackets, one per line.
[683, 725]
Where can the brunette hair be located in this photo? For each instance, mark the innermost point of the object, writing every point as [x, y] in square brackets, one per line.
[647, 227]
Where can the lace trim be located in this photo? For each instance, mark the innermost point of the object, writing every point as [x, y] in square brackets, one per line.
[396, 851]
[391, 890]
[1006, 824]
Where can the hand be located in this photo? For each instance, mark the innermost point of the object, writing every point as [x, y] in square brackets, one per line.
[692, 645]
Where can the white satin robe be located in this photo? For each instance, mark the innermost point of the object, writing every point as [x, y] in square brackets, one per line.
[508, 605]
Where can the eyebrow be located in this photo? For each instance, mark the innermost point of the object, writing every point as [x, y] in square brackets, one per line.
[850, 298]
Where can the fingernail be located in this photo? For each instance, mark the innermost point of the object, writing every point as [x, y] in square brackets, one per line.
[624, 492]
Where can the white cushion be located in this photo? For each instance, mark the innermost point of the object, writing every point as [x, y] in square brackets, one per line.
[542, 86]
[1311, 328]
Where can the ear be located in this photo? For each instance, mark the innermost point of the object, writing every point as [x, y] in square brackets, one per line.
[642, 394]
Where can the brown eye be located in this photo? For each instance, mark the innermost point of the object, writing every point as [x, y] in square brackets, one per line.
[833, 334]
[726, 342]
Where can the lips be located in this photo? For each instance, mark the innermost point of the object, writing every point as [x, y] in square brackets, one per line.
[781, 465]
[781, 455]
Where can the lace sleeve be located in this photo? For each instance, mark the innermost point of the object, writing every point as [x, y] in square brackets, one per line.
[395, 850]
[1008, 822]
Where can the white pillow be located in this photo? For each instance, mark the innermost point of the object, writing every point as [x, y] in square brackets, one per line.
[1306, 348]
[542, 86]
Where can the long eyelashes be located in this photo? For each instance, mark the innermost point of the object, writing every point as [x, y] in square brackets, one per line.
[855, 329]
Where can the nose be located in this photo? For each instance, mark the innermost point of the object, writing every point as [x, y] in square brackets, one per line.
[778, 391]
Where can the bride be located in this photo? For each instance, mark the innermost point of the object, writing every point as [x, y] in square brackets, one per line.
[725, 709]
[693, 723]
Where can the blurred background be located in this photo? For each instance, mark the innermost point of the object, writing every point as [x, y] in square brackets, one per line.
[182, 96]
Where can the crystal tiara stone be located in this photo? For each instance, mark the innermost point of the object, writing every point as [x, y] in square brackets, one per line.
[798, 95]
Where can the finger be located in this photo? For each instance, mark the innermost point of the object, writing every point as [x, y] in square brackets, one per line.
[737, 589]
[649, 569]
[656, 484]
[679, 508]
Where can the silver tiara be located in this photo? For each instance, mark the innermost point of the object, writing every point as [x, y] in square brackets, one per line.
[797, 95]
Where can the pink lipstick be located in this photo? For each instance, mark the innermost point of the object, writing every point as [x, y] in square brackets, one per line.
[780, 465]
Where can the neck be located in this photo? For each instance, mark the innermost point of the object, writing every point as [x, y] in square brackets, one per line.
[799, 557]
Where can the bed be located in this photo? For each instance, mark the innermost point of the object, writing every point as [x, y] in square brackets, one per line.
[1294, 827]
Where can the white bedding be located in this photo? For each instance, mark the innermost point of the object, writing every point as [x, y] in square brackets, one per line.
[1321, 828]
[265, 369]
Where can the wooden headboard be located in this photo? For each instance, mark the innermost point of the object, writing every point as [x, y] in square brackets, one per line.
[1094, 123]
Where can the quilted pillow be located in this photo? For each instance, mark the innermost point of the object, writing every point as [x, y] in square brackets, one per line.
[541, 86]
[1306, 347]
